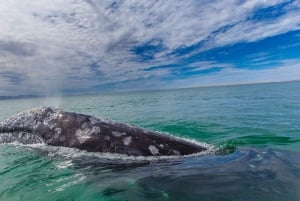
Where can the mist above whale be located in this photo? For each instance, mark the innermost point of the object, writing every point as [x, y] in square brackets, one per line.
[59, 128]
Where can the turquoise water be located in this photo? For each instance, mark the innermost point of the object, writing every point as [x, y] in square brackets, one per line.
[258, 124]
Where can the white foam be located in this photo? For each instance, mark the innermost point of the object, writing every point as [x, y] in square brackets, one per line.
[15, 143]
[64, 164]
[76, 179]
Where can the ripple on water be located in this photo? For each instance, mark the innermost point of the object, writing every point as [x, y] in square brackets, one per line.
[40, 172]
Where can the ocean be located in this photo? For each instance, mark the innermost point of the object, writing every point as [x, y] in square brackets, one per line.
[255, 130]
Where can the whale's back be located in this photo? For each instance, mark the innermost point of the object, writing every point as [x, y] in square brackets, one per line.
[59, 128]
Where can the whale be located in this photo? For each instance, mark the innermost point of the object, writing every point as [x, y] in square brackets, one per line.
[56, 127]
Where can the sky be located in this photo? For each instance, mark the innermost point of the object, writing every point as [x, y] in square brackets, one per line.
[89, 46]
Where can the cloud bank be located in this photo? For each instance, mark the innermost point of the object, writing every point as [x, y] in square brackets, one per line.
[76, 46]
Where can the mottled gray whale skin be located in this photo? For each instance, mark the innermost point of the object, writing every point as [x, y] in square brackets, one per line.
[59, 128]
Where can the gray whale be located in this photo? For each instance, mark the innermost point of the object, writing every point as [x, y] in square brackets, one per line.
[59, 128]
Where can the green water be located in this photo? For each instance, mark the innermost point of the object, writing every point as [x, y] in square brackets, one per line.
[262, 122]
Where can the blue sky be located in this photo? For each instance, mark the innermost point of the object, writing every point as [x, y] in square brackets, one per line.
[75, 46]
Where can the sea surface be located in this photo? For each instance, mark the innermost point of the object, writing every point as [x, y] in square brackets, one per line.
[254, 129]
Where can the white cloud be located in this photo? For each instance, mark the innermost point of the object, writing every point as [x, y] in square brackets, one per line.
[53, 44]
[253, 31]
[288, 70]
